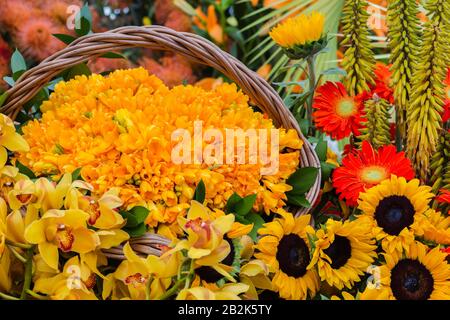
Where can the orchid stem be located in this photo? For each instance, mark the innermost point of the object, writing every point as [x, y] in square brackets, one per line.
[19, 245]
[172, 290]
[36, 295]
[147, 288]
[28, 273]
[7, 296]
[16, 254]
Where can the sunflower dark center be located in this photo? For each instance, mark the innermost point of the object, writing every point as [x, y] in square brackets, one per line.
[293, 255]
[411, 280]
[339, 251]
[210, 275]
[394, 213]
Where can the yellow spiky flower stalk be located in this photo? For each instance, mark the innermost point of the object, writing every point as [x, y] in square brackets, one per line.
[423, 114]
[358, 60]
[376, 130]
[404, 31]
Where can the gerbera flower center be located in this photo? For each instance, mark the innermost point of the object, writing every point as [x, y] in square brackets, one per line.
[346, 108]
[394, 213]
[411, 280]
[293, 255]
[373, 174]
[339, 251]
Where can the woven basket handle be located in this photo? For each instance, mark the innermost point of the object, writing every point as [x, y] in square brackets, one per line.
[188, 45]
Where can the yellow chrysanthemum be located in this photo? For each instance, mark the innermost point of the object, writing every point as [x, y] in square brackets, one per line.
[415, 274]
[299, 30]
[118, 129]
[395, 206]
[343, 251]
[285, 248]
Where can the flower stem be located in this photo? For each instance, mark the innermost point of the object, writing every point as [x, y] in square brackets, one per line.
[19, 245]
[312, 87]
[147, 288]
[17, 254]
[172, 290]
[28, 273]
[7, 296]
[36, 295]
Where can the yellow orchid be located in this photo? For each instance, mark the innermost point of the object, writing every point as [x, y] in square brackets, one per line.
[9, 175]
[61, 229]
[73, 283]
[53, 196]
[229, 291]
[5, 264]
[205, 242]
[102, 211]
[10, 139]
[23, 193]
[255, 274]
[131, 279]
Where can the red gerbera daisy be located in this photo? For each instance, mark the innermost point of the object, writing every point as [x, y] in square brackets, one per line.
[444, 196]
[337, 113]
[366, 168]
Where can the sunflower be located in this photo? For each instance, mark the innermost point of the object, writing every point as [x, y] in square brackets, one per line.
[435, 227]
[415, 274]
[395, 207]
[337, 114]
[301, 36]
[365, 168]
[343, 251]
[284, 247]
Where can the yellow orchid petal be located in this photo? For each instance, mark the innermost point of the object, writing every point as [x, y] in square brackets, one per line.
[15, 142]
[3, 156]
[35, 232]
[49, 253]
[112, 238]
[15, 227]
[84, 240]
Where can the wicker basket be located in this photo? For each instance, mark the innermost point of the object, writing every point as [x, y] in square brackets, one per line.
[189, 45]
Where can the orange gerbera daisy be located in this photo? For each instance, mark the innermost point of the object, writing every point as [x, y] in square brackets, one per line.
[366, 168]
[337, 113]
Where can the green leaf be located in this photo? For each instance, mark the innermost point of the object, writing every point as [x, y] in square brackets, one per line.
[302, 180]
[113, 55]
[244, 205]
[137, 231]
[140, 213]
[298, 200]
[66, 38]
[16, 75]
[200, 192]
[231, 203]
[17, 62]
[225, 4]
[3, 98]
[25, 170]
[304, 125]
[326, 169]
[83, 23]
[257, 221]
[9, 80]
[79, 69]
[321, 150]
[232, 21]
[334, 71]
[76, 174]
